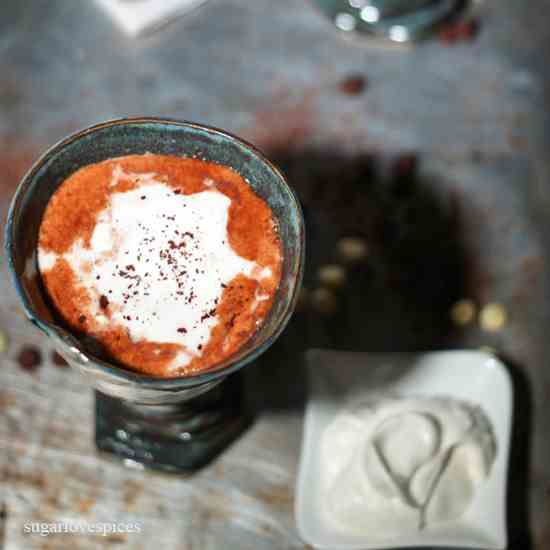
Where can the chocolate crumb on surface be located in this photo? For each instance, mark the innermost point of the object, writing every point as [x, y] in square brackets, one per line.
[29, 358]
[458, 31]
[406, 165]
[103, 302]
[493, 317]
[332, 275]
[352, 249]
[353, 84]
[58, 360]
[324, 301]
[463, 312]
[82, 319]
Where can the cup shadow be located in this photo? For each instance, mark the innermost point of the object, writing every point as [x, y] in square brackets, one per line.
[519, 536]
[398, 298]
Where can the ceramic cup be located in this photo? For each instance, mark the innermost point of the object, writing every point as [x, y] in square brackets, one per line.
[170, 424]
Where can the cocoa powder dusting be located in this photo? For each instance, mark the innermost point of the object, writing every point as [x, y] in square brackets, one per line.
[71, 215]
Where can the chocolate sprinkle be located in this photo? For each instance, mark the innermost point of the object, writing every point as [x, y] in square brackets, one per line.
[58, 360]
[29, 358]
[353, 85]
[103, 302]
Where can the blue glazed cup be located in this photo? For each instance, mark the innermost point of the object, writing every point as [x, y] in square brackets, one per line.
[121, 392]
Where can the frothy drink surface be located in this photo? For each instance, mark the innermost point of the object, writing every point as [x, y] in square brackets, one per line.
[171, 264]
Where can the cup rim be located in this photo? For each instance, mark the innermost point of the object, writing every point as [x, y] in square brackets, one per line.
[109, 369]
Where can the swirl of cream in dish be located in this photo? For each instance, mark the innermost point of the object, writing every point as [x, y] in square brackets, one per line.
[392, 465]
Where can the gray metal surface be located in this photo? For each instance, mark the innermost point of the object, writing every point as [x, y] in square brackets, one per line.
[270, 71]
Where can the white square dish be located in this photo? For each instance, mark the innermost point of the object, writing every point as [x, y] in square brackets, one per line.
[136, 16]
[472, 376]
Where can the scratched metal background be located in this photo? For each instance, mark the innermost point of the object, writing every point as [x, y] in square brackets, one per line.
[269, 71]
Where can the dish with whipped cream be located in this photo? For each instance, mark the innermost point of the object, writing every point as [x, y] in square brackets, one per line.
[393, 465]
[170, 263]
[424, 437]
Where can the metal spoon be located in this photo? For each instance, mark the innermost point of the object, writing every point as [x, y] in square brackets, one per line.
[396, 20]
[412, 25]
[373, 11]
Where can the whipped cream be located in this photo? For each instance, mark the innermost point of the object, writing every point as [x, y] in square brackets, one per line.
[158, 262]
[393, 465]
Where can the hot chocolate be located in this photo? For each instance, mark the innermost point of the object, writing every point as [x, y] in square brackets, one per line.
[170, 263]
